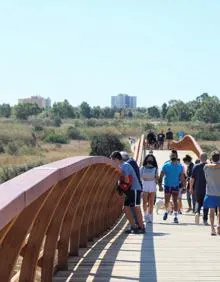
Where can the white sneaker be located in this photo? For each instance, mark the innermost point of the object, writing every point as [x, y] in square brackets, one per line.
[150, 218]
[146, 217]
[197, 215]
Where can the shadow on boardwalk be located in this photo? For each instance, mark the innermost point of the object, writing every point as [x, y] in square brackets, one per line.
[119, 257]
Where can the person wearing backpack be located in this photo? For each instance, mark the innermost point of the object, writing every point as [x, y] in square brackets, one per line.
[149, 177]
[131, 188]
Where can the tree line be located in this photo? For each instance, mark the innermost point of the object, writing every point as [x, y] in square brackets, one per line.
[204, 108]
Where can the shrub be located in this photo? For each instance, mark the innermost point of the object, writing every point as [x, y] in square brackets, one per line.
[105, 144]
[74, 133]
[216, 126]
[149, 126]
[57, 121]
[53, 137]
[2, 149]
[12, 148]
[207, 135]
[208, 148]
[38, 128]
[10, 172]
[91, 123]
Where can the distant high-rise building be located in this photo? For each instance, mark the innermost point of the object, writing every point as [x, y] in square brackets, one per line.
[40, 101]
[123, 101]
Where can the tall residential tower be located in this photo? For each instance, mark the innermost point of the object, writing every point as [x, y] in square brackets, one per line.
[123, 101]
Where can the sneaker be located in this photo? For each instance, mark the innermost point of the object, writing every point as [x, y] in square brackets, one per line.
[205, 222]
[218, 229]
[213, 232]
[180, 212]
[175, 220]
[150, 218]
[197, 218]
[189, 209]
[140, 230]
[130, 230]
[146, 217]
[165, 216]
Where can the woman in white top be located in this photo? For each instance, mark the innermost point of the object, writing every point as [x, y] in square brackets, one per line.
[149, 177]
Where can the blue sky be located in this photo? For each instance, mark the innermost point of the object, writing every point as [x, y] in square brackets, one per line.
[88, 50]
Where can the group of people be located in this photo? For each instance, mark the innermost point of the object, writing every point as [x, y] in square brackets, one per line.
[200, 182]
[156, 141]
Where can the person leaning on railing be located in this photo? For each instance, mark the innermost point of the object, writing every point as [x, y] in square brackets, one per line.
[130, 186]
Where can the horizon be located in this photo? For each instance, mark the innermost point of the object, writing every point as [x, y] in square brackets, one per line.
[91, 51]
[53, 102]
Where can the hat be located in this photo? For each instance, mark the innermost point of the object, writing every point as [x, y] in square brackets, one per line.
[125, 156]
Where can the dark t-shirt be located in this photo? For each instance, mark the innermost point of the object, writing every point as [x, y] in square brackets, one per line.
[189, 173]
[151, 136]
[199, 180]
[160, 137]
[169, 135]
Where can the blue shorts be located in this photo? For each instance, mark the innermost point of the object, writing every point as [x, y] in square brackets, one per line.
[170, 190]
[211, 202]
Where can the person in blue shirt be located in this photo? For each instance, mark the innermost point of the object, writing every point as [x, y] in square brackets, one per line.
[172, 173]
[131, 188]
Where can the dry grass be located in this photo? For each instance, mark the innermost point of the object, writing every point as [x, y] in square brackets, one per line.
[210, 143]
[74, 148]
[48, 153]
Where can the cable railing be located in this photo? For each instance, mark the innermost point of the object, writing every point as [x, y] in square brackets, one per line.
[49, 212]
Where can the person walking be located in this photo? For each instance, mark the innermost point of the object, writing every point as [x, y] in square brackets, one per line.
[172, 172]
[169, 138]
[131, 187]
[212, 197]
[198, 188]
[149, 177]
[151, 140]
[160, 139]
[190, 197]
[181, 192]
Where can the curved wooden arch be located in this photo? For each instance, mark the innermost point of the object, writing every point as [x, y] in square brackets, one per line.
[188, 143]
[39, 205]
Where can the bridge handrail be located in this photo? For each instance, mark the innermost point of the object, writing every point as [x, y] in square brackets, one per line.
[51, 211]
[139, 148]
[188, 142]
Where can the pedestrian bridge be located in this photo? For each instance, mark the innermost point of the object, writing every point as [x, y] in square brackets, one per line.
[63, 222]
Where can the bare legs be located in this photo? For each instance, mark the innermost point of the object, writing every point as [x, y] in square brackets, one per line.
[212, 221]
[148, 205]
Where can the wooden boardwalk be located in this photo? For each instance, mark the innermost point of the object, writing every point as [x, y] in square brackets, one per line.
[167, 252]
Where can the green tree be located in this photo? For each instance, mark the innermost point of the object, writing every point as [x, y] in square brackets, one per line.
[85, 110]
[153, 112]
[63, 110]
[5, 110]
[209, 111]
[23, 111]
[182, 111]
[172, 115]
[105, 144]
[164, 110]
[130, 114]
[108, 112]
[96, 112]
